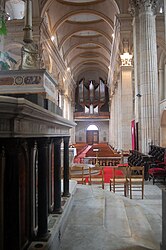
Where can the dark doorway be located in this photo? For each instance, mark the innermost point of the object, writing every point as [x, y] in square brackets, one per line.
[92, 136]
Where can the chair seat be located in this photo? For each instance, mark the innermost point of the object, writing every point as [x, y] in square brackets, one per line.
[119, 180]
[123, 165]
[157, 170]
[157, 173]
[135, 180]
[96, 176]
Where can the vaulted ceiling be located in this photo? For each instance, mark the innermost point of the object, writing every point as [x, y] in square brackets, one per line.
[84, 31]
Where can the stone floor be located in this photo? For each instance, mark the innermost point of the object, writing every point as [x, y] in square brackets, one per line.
[102, 220]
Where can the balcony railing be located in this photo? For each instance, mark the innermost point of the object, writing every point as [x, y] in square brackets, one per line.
[100, 115]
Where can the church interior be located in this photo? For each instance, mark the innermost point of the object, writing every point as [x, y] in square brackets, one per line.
[82, 95]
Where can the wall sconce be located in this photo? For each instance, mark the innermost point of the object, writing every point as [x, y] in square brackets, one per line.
[138, 95]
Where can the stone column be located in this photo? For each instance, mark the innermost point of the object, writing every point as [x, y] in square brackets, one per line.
[57, 176]
[165, 17]
[163, 244]
[66, 168]
[2, 169]
[164, 82]
[126, 106]
[42, 188]
[161, 84]
[28, 22]
[112, 121]
[119, 111]
[149, 117]
[136, 44]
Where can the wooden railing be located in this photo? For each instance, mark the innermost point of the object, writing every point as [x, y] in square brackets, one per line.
[103, 161]
[103, 115]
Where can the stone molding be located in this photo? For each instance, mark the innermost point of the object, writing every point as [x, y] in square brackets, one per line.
[21, 118]
[137, 6]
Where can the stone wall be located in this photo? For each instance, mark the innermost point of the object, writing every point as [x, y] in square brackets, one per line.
[80, 131]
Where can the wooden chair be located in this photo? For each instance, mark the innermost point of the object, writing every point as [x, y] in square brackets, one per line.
[119, 182]
[96, 175]
[77, 173]
[136, 179]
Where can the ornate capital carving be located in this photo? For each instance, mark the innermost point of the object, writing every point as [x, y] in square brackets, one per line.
[137, 6]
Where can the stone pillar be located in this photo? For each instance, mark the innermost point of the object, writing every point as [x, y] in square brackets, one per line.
[149, 117]
[2, 169]
[164, 81]
[57, 176]
[126, 106]
[42, 188]
[112, 121]
[136, 44]
[163, 244]
[66, 167]
[161, 84]
[165, 17]
[118, 122]
[28, 22]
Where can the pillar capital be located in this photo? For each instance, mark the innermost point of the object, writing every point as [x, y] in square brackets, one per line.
[139, 6]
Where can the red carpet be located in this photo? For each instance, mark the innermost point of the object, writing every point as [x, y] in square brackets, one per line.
[78, 158]
[108, 173]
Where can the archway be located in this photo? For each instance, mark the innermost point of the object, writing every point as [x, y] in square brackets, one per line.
[163, 130]
[92, 134]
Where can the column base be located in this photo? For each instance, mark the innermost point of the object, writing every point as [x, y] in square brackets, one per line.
[44, 237]
[66, 195]
[57, 211]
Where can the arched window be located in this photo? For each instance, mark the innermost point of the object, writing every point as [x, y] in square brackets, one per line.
[92, 127]
[15, 9]
[92, 134]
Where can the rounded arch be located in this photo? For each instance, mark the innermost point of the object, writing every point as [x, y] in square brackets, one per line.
[15, 9]
[84, 55]
[47, 3]
[163, 129]
[86, 65]
[82, 43]
[92, 127]
[92, 134]
[89, 11]
[70, 34]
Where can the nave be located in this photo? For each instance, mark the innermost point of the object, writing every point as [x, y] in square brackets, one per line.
[102, 220]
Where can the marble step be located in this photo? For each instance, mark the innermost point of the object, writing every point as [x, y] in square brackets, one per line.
[101, 220]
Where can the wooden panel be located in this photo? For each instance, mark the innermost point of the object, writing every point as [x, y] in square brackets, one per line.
[92, 137]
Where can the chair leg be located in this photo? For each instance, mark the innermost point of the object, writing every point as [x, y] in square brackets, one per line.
[130, 191]
[125, 190]
[142, 191]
